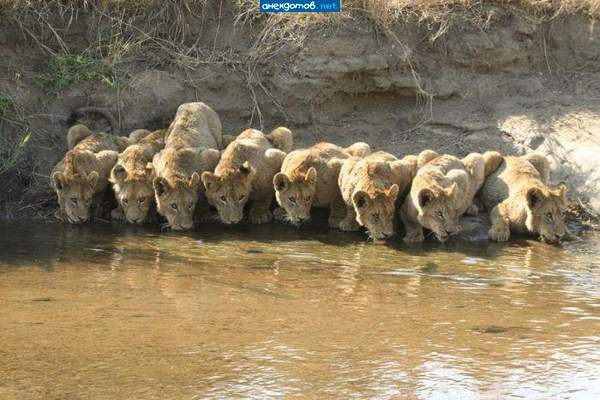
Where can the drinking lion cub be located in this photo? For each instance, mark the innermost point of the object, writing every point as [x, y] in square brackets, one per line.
[245, 172]
[442, 191]
[370, 187]
[309, 177]
[190, 148]
[521, 200]
[80, 178]
[131, 177]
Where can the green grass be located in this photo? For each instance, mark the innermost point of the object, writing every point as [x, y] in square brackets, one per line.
[14, 134]
[64, 70]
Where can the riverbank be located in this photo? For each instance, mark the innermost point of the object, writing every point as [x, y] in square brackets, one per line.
[455, 77]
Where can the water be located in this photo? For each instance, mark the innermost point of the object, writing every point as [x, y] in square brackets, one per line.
[111, 312]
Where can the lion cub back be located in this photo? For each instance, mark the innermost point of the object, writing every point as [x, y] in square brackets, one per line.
[196, 125]
[513, 174]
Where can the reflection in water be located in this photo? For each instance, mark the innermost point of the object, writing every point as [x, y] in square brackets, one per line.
[121, 312]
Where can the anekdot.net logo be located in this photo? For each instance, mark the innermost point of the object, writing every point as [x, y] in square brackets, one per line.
[300, 5]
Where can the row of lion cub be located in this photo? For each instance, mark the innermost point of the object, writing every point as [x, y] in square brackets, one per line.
[183, 170]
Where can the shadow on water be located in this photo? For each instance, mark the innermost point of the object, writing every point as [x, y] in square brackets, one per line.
[57, 242]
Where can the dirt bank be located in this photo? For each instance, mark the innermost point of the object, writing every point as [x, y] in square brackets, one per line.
[484, 77]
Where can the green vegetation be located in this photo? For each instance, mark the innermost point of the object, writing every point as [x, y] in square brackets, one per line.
[65, 69]
[12, 147]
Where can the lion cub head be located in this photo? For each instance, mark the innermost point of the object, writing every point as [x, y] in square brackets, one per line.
[295, 194]
[176, 200]
[133, 191]
[438, 211]
[545, 212]
[75, 190]
[376, 211]
[229, 192]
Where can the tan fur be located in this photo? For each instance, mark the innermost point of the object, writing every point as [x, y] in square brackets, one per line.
[492, 159]
[245, 173]
[370, 188]
[226, 140]
[132, 177]
[358, 149]
[281, 138]
[442, 191]
[138, 134]
[191, 147]
[81, 177]
[521, 200]
[309, 177]
[76, 134]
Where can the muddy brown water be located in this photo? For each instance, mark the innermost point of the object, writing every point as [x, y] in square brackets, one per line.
[115, 312]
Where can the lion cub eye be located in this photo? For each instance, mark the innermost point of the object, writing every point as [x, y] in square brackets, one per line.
[190, 206]
[174, 206]
[142, 200]
[125, 201]
[292, 200]
[440, 214]
[74, 200]
[549, 215]
[224, 199]
[376, 216]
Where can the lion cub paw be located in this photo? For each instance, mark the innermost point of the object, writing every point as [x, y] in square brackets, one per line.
[348, 226]
[279, 214]
[260, 217]
[499, 234]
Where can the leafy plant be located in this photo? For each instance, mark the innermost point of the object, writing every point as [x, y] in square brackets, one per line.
[65, 70]
[14, 134]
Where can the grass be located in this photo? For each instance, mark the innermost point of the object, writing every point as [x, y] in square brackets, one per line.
[64, 70]
[12, 147]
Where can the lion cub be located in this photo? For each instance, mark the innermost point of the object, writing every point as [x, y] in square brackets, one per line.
[370, 187]
[309, 177]
[442, 191]
[190, 148]
[131, 177]
[246, 172]
[80, 178]
[521, 200]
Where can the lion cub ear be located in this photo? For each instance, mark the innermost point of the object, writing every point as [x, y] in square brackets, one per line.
[281, 182]
[149, 172]
[92, 179]
[392, 192]
[360, 199]
[209, 180]
[160, 185]
[246, 169]
[194, 180]
[534, 197]
[119, 173]
[452, 190]
[425, 197]
[58, 179]
[561, 192]
[311, 176]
